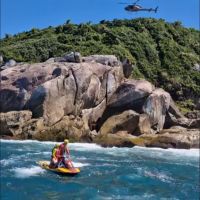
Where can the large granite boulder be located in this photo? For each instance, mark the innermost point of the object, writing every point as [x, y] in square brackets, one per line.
[130, 95]
[18, 83]
[54, 89]
[126, 121]
[110, 60]
[73, 57]
[156, 107]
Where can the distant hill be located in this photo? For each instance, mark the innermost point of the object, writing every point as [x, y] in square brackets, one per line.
[163, 53]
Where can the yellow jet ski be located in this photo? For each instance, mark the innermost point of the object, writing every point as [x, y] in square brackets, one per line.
[60, 170]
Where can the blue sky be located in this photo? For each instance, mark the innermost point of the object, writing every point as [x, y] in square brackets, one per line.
[22, 15]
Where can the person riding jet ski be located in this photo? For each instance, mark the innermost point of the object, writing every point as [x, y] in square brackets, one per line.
[55, 156]
[65, 155]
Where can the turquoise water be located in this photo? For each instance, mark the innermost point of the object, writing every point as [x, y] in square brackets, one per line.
[106, 173]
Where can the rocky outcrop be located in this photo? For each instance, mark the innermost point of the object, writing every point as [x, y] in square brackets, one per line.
[127, 68]
[8, 64]
[120, 139]
[11, 123]
[89, 99]
[176, 137]
[184, 122]
[69, 127]
[175, 118]
[193, 114]
[20, 125]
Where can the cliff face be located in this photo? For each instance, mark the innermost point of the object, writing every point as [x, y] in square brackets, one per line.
[89, 99]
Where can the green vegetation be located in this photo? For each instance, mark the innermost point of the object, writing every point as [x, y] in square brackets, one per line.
[164, 53]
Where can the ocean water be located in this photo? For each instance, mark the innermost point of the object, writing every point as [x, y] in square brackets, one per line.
[106, 173]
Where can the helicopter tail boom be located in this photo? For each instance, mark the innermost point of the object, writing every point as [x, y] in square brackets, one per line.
[156, 9]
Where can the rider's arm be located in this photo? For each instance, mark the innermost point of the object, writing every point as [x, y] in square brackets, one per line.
[54, 153]
[67, 151]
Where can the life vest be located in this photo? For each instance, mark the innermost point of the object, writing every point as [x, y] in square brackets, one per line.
[63, 149]
[54, 152]
[57, 153]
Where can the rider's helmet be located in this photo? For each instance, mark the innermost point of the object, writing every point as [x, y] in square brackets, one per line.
[57, 145]
[66, 141]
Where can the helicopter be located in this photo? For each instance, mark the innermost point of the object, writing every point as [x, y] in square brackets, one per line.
[135, 8]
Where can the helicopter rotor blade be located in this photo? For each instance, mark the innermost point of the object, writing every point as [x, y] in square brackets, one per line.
[136, 2]
[123, 3]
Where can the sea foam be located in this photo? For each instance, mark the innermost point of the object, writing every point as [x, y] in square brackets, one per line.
[114, 150]
[24, 172]
[79, 164]
[181, 152]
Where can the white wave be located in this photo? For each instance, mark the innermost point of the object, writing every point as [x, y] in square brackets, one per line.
[27, 141]
[79, 164]
[82, 158]
[85, 146]
[13, 159]
[185, 152]
[6, 162]
[20, 150]
[27, 172]
[158, 175]
[74, 145]
[155, 174]
[39, 153]
[129, 197]
[113, 150]
[181, 152]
